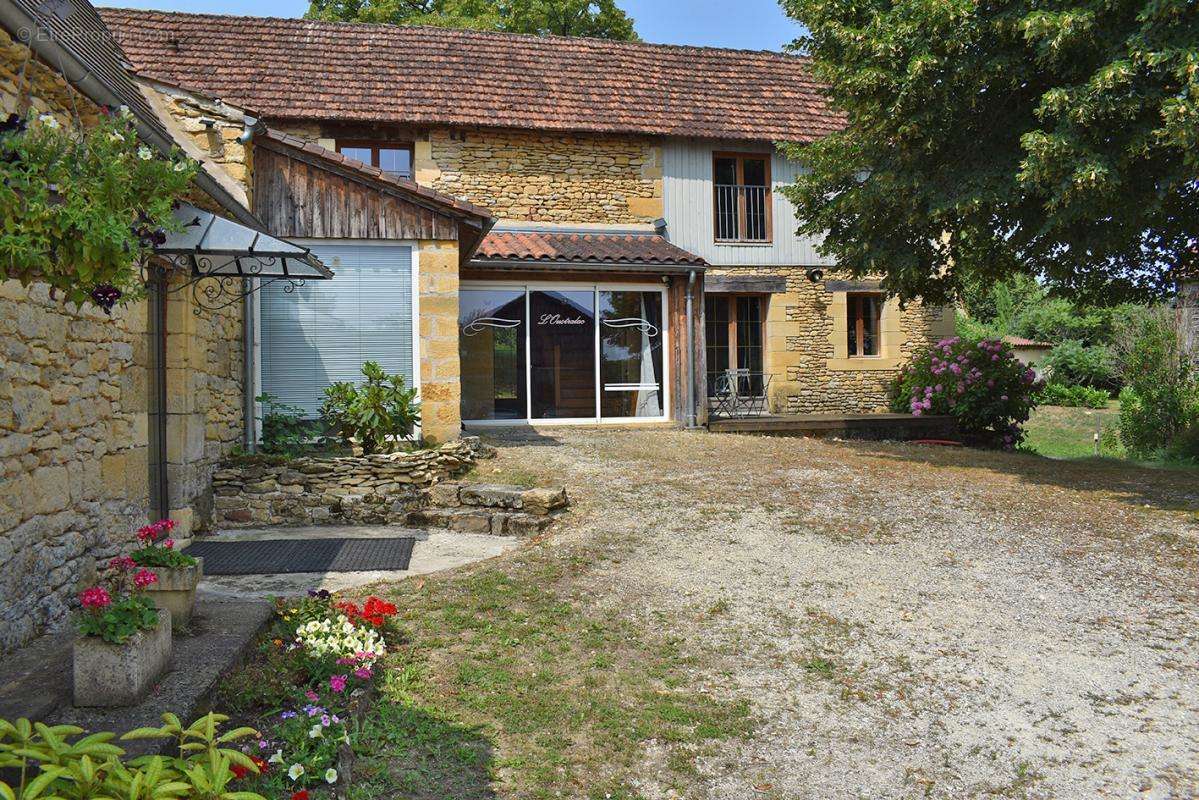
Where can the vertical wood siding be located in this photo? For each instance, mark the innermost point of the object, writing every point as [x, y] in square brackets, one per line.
[300, 200]
[687, 192]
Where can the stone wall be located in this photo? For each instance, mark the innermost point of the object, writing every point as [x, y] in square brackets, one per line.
[74, 412]
[539, 177]
[323, 491]
[440, 382]
[803, 327]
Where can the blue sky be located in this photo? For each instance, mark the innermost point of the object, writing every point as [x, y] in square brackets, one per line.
[754, 24]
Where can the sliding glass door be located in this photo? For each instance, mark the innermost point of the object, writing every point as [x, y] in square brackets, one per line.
[562, 354]
[566, 353]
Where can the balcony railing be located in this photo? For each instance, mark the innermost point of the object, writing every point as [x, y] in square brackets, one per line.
[742, 213]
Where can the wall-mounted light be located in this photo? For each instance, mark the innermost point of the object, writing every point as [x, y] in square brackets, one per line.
[815, 275]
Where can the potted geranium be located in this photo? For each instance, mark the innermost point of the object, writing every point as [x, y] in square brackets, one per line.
[126, 641]
[177, 573]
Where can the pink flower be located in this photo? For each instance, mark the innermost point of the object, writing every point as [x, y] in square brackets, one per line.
[337, 683]
[122, 564]
[96, 598]
[363, 673]
[169, 543]
[312, 696]
[144, 578]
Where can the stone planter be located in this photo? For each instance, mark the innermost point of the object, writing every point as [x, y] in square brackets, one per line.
[175, 591]
[114, 675]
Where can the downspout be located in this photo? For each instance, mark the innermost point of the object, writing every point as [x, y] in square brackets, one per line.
[690, 352]
[249, 432]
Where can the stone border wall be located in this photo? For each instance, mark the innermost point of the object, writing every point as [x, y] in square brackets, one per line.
[378, 489]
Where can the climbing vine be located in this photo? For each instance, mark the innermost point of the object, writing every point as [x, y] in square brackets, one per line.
[80, 209]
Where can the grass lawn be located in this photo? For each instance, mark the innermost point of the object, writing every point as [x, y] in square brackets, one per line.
[508, 657]
[1061, 432]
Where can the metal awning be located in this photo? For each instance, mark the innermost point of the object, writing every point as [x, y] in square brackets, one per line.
[214, 246]
[227, 261]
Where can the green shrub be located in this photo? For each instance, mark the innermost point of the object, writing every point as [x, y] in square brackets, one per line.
[285, 432]
[60, 762]
[1185, 446]
[1073, 363]
[377, 415]
[986, 389]
[1160, 402]
[1056, 394]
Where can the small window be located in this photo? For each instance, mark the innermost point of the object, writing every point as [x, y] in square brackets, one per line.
[741, 197]
[395, 159]
[865, 315]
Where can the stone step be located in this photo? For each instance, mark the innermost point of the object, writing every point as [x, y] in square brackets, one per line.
[468, 519]
[537, 502]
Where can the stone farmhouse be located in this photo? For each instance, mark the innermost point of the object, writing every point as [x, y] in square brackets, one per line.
[532, 230]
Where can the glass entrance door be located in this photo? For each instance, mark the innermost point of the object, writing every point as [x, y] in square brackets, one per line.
[562, 354]
[574, 353]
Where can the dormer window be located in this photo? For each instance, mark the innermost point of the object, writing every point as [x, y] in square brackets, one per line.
[391, 157]
[741, 202]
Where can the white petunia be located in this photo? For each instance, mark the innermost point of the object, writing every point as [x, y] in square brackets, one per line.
[116, 137]
[330, 775]
[296, 771]
[277, 758]
[180, 166]
[145, 153]
[316, 732]
[124, 111]
[49, 121]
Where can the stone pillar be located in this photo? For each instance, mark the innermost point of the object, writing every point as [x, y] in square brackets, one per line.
[440, 370]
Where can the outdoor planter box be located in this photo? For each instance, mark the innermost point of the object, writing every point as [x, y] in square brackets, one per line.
[114, 675]
[175, 591]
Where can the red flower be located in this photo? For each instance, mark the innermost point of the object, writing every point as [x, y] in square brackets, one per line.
[300, 795]
[263, 767]
[144, 578]
[122, 564]
[96, 598]
[239, 771]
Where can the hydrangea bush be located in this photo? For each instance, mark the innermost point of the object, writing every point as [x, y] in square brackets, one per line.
[980, 383]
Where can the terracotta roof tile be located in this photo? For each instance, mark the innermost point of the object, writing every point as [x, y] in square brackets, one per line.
[302, 69]
[631, 249]
[1020, 341]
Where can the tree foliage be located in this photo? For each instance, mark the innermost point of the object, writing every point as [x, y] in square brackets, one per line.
[597, 18]
[1055, 139]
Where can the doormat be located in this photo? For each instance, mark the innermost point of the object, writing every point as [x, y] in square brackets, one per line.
[280, 556]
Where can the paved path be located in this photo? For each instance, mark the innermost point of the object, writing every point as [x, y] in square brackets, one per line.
[434, 551]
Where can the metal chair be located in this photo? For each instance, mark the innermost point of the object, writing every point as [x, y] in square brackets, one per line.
[740, 393]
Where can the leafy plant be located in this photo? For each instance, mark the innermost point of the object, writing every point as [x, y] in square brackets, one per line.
[981, 384]
[51, 763]
[1160, 402]
[1073, 363]
[378, 414]
[80, 209]
[118, 608]
[1056, 394]
[158, 549]
[285, 432]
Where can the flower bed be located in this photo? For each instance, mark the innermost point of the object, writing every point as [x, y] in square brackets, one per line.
[305, 689]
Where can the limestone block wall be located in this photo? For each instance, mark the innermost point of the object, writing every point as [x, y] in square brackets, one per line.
[73, 449]
[539, 177]
[804, 345]
[351, 490]
[74, 412]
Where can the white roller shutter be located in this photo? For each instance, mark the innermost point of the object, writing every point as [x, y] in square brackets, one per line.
[324, 331]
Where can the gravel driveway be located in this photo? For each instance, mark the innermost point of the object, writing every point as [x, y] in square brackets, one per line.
[905, 621]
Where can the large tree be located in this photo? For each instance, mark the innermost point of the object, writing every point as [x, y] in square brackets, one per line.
[599, 18]
[984, 138]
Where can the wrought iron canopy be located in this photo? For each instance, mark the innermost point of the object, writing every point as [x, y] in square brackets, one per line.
[221, 256]
[220, 247]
